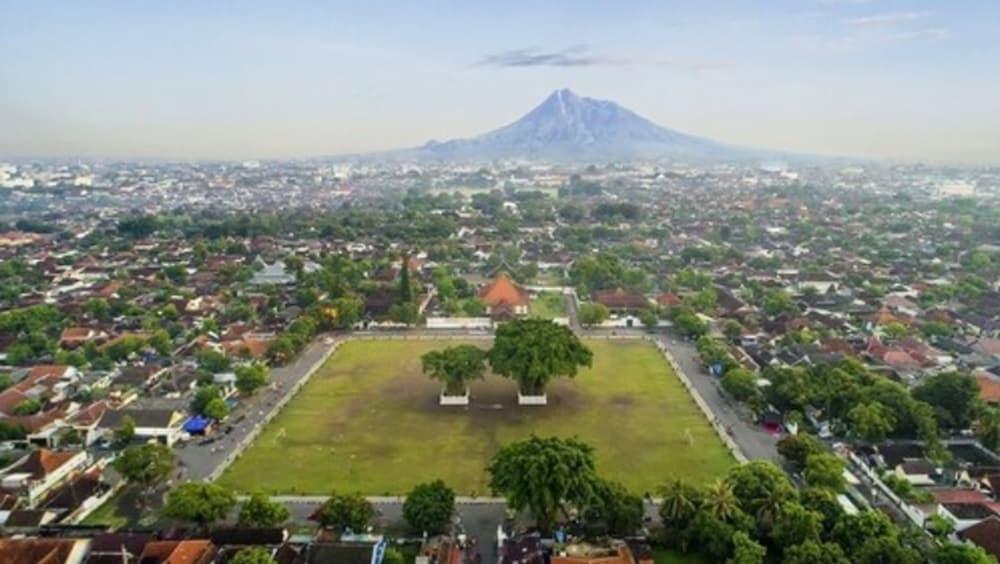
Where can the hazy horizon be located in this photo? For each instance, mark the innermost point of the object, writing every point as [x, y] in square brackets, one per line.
[897, 79]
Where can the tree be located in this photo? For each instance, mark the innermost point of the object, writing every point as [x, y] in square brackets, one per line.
[795, 449]
[732, 329]
[813, 552]
[988, 428]
[680, 503]
[533, 351]
[649, 319]
[202, 503]
[406, 313]
[826, 471]
[741, 384]
[543, 475]
[962, 554]
[405, 291]
[146, 464]
[29, 406]
[872, 421]
[428, 507]
[886, 549]
[687, 324]
[720, 501]
[252, 555]
[853, 531]
[954, 397]
[213, 361]
[939, 527]
[895, 330]
[393, 556]
[455, 367]
[251, 376]
[260, 511]
[762, 489]
[616, 508]
[746, 550]
[796, 524]
[203, 395]
[124, 434]
[593, 313]
[216, 409]
[346, 511]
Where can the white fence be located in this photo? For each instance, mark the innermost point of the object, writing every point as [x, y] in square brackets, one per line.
[459, 323]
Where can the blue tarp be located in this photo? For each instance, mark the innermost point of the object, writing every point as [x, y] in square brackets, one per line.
[197, 425]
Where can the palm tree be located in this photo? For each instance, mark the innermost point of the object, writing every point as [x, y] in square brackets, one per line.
[680, 501]
[720, 501]
[455, 366]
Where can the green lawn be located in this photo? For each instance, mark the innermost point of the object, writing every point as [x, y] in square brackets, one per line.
[369, 422]
[547, 305]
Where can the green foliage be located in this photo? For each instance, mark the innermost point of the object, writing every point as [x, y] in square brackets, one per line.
[541, 474]
[533, 351]
[202, 503]
[741, 384]
[145, 464]
[616, 508]
[260, 511]
[962, 554]
[429, 507]
[346, 511]
[252, 555]
[746, 550]
[28, 406]
[795, 525]
[593, 313]
[404, 313]
[795, 449]
[824, 470]
[250, 377]
[213, 361]
[762, 489]
[202, 397]
[216, 409]
[124, 434]
[455, 367]
[872, 421]
[853, 531]
[954, 397]
[813, 552]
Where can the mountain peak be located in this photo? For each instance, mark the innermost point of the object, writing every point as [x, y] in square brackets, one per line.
[566, 126]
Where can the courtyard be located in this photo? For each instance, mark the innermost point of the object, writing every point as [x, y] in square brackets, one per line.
[369, 421]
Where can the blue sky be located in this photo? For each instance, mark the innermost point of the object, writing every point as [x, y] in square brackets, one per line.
[895, 78]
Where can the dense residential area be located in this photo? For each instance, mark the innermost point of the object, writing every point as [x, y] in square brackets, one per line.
[838, 328]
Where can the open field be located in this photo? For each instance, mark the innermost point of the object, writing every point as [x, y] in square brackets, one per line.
[369, 421]
[547, 305]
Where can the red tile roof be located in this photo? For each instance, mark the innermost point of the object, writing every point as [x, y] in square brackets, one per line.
[504, 290]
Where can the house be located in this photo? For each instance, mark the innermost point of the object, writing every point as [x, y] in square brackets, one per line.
[504, 298]
[39, 472]
[163, 425]
[43, 550]
[620, 300]
[985, 534]
[610, 552]
[79, 496]
[353, 549]
[200, 551]
[273, 274]
[917, 471]
[73, 337]
[117, 548]
[989, 388]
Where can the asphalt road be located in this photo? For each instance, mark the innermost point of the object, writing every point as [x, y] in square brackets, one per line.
[199, 461]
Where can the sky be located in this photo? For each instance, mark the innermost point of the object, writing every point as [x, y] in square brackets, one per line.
[899, 79]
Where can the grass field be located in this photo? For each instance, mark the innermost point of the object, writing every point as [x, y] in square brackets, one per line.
[547, 305]
[369, 421]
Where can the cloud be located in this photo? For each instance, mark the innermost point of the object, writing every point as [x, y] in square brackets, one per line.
[582, 56]
[890, 18]
[870, 39]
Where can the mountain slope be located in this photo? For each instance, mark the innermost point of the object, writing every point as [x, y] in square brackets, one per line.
[570, 127]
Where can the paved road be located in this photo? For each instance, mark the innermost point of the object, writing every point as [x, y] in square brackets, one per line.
[199, 461]
[751, 438]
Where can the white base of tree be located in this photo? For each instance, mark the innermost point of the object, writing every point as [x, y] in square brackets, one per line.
[454, 400]
[532, 399]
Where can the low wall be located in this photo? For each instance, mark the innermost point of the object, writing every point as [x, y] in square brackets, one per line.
[459, 323]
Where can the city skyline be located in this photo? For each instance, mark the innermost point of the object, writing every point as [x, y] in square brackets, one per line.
[879, 78]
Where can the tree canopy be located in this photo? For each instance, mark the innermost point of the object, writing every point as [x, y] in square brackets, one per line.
[455, 366]
[429, 507]
[533, 351]
[543, 475]
[202, 503]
